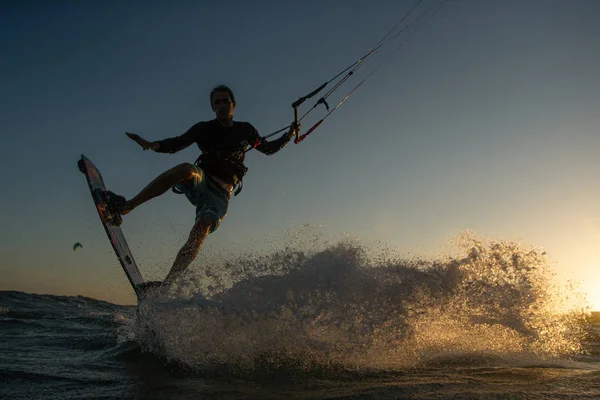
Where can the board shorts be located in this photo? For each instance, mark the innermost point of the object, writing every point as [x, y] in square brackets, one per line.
[209, 198]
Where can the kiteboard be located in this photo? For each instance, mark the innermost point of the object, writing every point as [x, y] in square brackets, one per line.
[114, 233]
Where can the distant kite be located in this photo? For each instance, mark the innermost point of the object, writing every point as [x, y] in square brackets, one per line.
[76, 245]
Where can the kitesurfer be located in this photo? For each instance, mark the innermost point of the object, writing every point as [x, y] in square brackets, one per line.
[209, 182]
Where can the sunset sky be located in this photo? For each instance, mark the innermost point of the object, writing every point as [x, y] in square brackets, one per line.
[487, 119]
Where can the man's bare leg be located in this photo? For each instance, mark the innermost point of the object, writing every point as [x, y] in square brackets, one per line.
[160, 185]
[190, 249]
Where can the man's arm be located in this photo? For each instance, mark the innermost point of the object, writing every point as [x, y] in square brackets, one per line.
[274, 146]
[178, 143]
[171, 145]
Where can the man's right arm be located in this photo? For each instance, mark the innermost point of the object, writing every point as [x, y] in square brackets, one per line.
[170, 145]
[178, 143]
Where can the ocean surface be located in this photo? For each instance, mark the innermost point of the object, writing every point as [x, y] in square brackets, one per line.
[340, 322]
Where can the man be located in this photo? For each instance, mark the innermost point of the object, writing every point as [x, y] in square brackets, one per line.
[208, 183]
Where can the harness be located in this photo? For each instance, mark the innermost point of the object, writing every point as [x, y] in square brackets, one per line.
[237, 166]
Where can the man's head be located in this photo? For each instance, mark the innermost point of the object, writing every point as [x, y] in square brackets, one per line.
[222, 102]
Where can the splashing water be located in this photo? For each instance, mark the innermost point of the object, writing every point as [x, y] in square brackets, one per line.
[347, 305]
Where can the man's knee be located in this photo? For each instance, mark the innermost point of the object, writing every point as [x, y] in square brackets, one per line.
[201, 229]
[186, 171]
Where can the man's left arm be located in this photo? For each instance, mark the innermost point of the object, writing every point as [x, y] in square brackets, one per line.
[274, 146]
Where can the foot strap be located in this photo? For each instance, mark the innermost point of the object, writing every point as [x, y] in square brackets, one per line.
[114, 207]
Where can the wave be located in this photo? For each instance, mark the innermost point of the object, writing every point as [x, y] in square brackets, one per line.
[354, 306]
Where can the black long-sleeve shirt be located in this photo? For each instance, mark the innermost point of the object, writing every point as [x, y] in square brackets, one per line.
[223, 147]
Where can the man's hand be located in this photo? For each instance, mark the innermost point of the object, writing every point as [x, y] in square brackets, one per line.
[295, 128]
[146, 145]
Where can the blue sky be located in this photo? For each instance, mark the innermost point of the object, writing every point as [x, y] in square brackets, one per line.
[487, 119]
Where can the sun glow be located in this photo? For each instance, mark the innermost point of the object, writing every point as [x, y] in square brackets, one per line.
[592, 290]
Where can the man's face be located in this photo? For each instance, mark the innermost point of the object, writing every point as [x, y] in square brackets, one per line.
[222, 105]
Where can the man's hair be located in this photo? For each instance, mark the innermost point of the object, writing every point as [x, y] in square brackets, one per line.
[222, 88]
